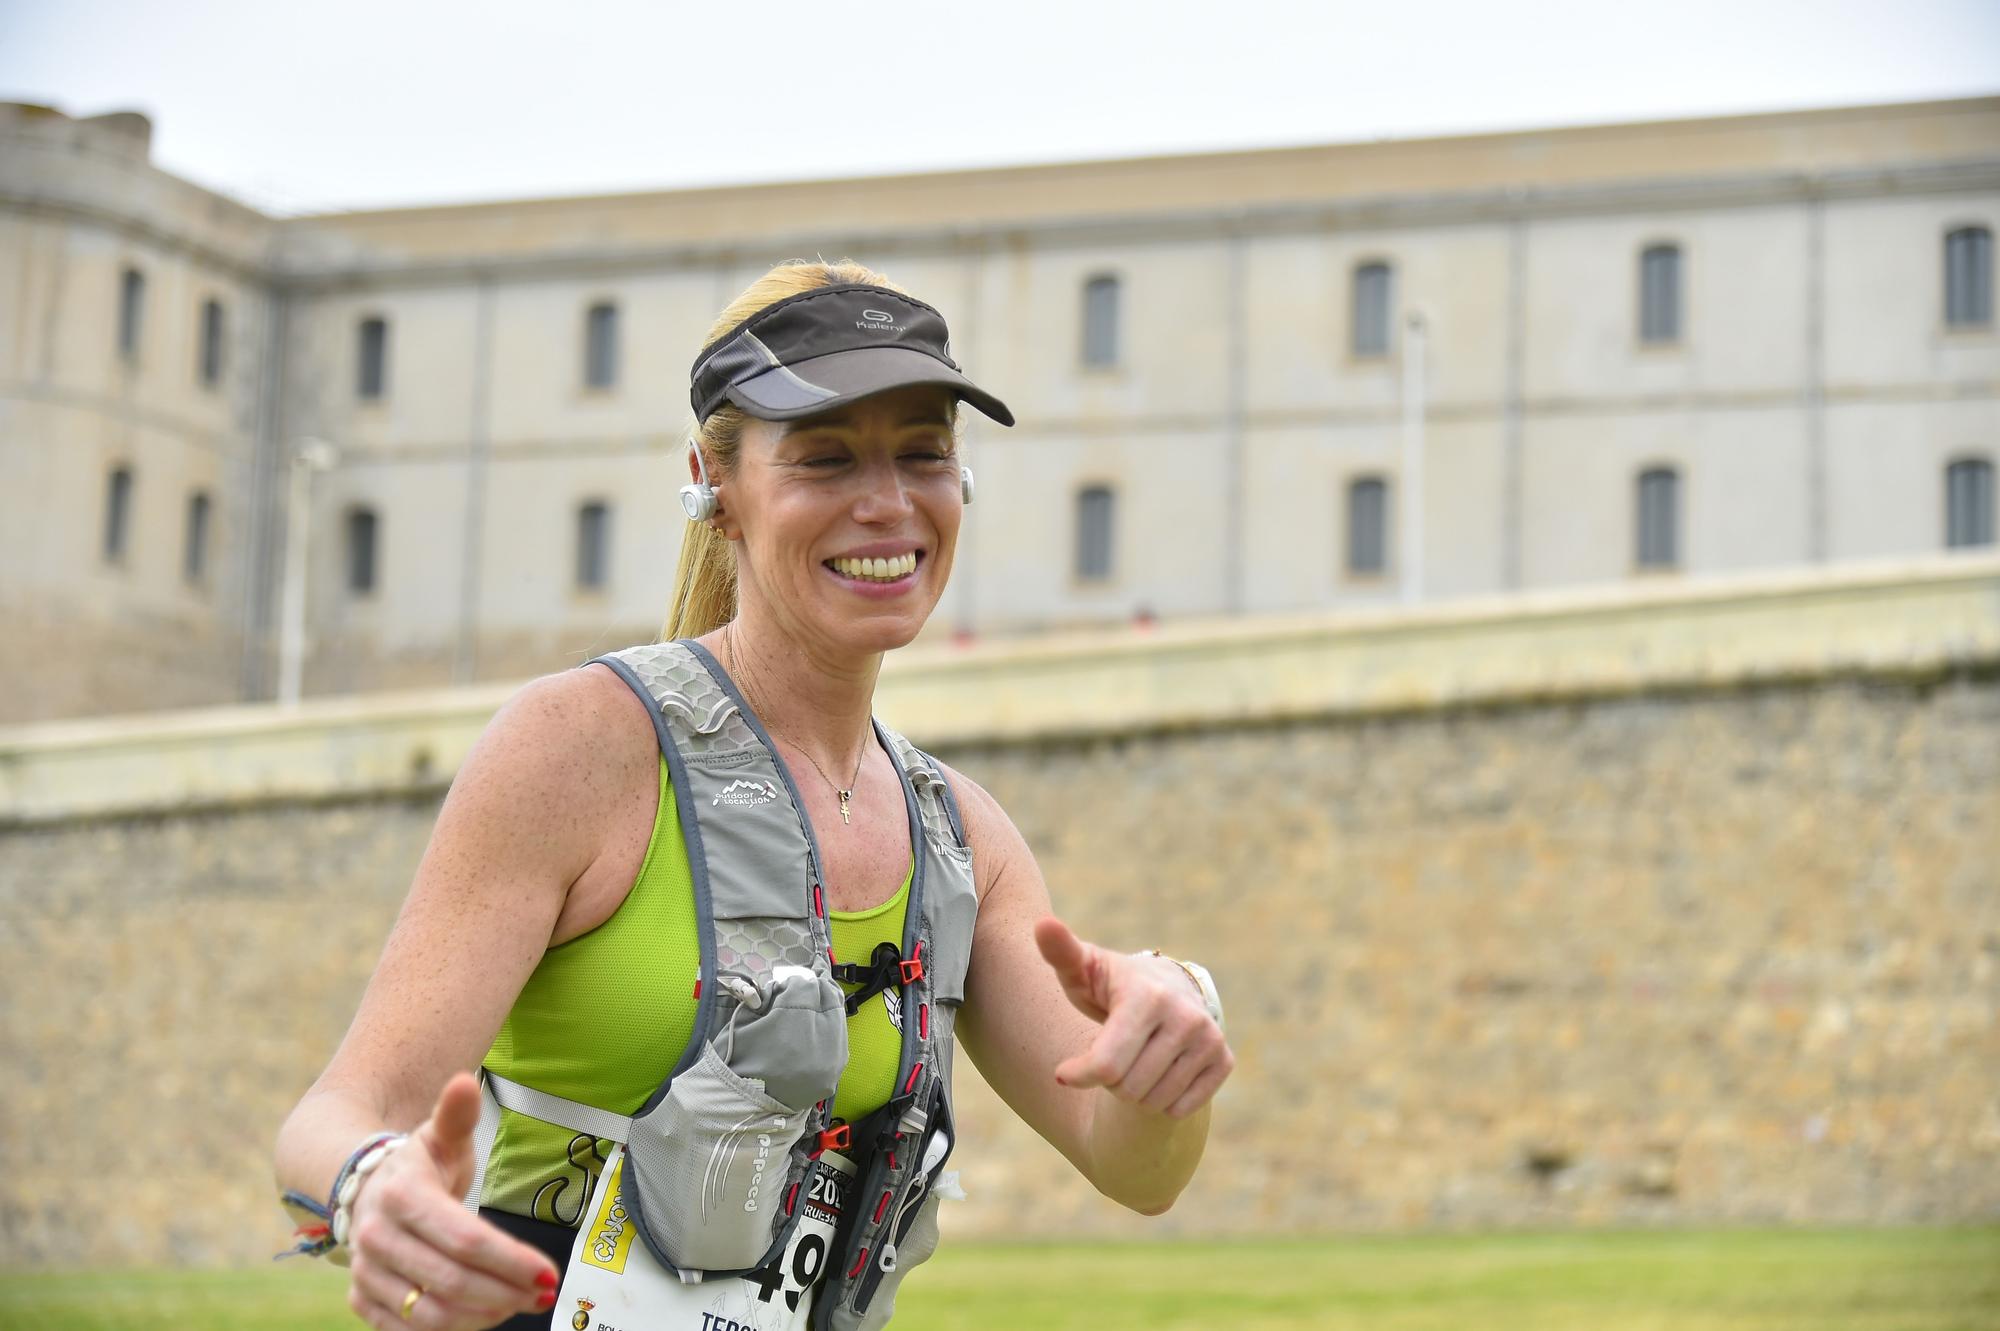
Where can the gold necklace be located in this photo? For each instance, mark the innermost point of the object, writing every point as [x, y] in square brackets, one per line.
[736, 664]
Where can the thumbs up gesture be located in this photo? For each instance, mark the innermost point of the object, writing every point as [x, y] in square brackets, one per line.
[1155, 1046]
[412, 1233]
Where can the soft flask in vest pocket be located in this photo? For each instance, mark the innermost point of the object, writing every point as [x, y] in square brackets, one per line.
[712, 1157]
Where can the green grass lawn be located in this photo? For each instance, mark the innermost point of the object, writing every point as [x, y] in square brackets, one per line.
[1710, 1280]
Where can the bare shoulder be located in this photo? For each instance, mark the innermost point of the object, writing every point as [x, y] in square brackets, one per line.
[566, 728]
[997, 844]
[554, 767]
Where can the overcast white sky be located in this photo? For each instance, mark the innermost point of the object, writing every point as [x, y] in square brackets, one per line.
[303, 105]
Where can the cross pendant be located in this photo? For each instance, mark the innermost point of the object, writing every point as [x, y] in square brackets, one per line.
[845, 795]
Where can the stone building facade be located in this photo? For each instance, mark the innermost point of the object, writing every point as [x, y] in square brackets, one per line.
[1630, 352]
[1666, 905]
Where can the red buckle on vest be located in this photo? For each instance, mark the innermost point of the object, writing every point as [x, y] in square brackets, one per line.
[836, 1138]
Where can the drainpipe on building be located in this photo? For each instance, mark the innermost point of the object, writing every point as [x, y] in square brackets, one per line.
[1514, 410]
[267, 460]
[465, 653]
[1411, 490]
[311, 457]
[1816, 479]
[1235, 388]
[965, 625]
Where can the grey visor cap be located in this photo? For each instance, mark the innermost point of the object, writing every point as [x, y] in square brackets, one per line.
[787, 392]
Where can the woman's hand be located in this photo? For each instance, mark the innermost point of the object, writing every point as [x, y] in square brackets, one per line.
[411, 1230]
[1156, 1046]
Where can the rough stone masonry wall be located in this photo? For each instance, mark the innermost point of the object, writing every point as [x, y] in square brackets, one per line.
[1707, 956]
[1715, 957]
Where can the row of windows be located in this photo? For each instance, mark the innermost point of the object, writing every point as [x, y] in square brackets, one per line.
[117, 543]
[600, 352]
[1969, 520]
[1968, 299]
[1968, 303]
[362, 529]
[210, 330]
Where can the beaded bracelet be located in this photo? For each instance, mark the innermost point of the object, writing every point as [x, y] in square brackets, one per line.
[325, 1232]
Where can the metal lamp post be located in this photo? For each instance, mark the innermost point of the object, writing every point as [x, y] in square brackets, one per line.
[310, 457]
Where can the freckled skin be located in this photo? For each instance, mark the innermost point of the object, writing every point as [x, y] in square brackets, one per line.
[806, 491]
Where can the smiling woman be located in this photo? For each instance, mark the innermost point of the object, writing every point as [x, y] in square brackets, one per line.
[713, 1002]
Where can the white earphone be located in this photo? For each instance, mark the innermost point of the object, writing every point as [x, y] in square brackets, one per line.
[698, 497]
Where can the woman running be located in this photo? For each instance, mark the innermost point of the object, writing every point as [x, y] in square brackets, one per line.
[662, 1034]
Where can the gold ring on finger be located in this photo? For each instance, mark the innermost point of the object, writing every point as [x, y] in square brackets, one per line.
[410, 1300]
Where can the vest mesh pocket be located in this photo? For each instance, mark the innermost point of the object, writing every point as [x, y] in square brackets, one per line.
[712, 1160]
[710, 1164]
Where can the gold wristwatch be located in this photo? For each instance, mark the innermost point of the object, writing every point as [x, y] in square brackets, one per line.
[1203, 981]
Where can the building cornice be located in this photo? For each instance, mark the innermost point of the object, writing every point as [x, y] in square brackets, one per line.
[1701, 163]
[1385, 213]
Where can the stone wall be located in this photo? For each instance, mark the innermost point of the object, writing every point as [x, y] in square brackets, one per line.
[1660, 943]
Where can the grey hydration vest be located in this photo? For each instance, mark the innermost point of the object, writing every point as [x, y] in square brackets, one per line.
[717, 1156]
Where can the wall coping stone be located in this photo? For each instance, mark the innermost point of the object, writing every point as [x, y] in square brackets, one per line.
[1907, 618]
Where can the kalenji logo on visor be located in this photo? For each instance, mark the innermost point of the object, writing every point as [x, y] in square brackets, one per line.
[877, 321]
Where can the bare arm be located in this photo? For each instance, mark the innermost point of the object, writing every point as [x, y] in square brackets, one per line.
[522, 823]
[1113, 1059]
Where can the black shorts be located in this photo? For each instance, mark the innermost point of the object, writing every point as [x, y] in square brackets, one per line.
[555, 1241]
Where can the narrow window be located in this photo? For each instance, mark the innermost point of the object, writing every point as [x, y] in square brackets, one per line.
[131, 312]
[1660, 294]
[361, 537]
[1367, 525]
[194, 552]
[211, 343]
[1968, 277]
[1659, 518]
[373, 358]
[1093, 533]
[1369, 323]
[1968, 503]
[593, 546]
[117, 514]
[600, 346]
[1100, 321]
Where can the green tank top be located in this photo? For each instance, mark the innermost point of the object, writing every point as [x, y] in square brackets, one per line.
[605, 1016]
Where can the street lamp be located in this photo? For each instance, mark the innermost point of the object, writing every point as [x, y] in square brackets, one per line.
[1412, 488]
[309, 457]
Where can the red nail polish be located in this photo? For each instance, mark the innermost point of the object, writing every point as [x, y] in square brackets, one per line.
[547, 1300]
[546, 1279]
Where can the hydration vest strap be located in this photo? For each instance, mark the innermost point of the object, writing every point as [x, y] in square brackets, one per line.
[885, 968]
[484, 1134]
[497, 1092]
[571, 1114]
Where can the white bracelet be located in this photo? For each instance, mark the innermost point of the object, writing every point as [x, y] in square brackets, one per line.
[1203, 981]
[349, 1186]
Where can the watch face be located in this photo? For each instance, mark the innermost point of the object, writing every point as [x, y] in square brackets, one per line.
[1206, 982]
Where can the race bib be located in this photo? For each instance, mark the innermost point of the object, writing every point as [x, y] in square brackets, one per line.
[613, 1283]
